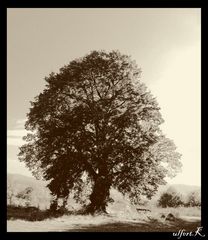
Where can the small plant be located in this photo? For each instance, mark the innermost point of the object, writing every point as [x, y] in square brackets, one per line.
[26, 196]
[11, 194]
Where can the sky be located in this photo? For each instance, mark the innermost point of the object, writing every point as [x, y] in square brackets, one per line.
[166, 44]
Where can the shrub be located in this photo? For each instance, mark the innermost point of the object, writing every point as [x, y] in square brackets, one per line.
[26, 196]
[194, 200]
[31, 213]
[170, 200]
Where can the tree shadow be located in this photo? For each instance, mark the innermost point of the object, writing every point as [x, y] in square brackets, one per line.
[152, 225]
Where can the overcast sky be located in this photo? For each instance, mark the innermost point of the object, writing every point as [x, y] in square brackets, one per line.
[166, 44]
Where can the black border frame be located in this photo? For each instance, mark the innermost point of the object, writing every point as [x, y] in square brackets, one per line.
[3, 87]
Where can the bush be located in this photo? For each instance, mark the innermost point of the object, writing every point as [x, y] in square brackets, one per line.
[30, 213]
[170, 200]
[194, 200]
[26, 196]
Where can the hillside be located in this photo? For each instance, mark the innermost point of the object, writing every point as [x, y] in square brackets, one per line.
[41, 194]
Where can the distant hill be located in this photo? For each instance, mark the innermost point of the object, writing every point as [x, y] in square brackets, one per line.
[182, 188]
[25, 180]
[41, 194]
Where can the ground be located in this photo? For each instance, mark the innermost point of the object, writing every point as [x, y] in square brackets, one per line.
[122, 217]
[104, 223]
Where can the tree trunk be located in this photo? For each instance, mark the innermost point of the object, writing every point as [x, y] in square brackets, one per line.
[54, 205]
[65, 202]
[100, 196]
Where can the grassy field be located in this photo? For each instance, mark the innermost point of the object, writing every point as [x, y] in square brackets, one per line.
[177, 212]
[32, 220]
[149, 226]
[100, 224]
[123, 216]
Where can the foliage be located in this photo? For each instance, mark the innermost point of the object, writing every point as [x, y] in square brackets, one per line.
[11, 194]
[170, 200]
[194, 199]
[30, 213]
[26, 195]
[96, 118]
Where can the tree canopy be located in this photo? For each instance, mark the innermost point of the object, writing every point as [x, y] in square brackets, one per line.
[95, 124]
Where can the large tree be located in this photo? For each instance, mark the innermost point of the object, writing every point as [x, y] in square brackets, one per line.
[95, 124]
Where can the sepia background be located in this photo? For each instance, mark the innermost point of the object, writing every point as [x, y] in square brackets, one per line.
[166, 44]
